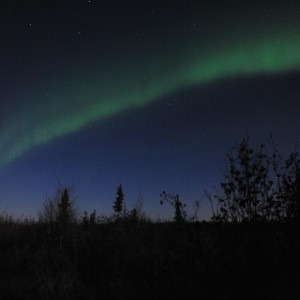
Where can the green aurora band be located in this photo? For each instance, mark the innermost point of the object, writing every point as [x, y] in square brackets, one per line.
[125, 86]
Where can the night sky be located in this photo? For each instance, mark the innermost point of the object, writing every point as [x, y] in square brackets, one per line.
[149, 94]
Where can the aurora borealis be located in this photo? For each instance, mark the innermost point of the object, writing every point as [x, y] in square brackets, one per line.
[75, 66]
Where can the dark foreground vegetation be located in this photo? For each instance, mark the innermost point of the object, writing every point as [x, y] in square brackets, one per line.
[125, 260]
[249, 250]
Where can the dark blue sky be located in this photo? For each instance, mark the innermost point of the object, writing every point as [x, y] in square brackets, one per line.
[152, 96]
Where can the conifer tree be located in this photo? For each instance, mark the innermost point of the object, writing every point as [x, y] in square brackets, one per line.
[180, 213]
[64, 208]
[119, 202]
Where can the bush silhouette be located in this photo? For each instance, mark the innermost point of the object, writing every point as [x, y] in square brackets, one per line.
[259, 186]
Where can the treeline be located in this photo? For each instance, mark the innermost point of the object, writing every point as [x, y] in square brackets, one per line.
[259, 186]
[61, 210]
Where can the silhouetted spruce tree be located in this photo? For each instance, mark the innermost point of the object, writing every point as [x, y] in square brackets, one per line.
[59, 208]
[119, 202]
[64, 208]
[180, 214]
